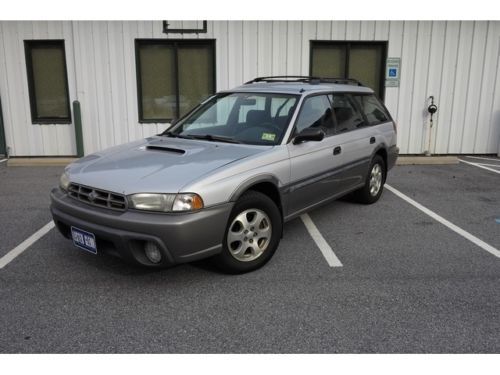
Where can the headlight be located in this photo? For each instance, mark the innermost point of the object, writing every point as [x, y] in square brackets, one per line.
[165, 202]
[64, 181]
[187, 202]
[152, 202]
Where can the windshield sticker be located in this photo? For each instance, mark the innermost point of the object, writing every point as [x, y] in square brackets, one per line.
[268, 136]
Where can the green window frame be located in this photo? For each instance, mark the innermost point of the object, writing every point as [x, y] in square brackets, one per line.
[47, 81]
[173, 76]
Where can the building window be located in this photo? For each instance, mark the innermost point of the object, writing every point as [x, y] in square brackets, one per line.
[364, 61]
[47, 81]
[173, 76]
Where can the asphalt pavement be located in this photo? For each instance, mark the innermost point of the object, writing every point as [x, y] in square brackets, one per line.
[407, 284]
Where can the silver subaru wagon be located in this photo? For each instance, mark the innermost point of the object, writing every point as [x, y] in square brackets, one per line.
[222, 180]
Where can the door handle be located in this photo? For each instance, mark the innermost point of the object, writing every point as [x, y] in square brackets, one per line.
[372, 140]
[337, 150]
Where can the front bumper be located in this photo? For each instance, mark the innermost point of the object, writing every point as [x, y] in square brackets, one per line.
[182, 237]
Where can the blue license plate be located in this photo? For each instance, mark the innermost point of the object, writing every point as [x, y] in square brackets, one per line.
[84, 240]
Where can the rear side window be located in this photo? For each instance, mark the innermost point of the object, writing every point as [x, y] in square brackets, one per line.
[347, 115]
[374, 110]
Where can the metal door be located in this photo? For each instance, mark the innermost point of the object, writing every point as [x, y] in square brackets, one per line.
[364, 61]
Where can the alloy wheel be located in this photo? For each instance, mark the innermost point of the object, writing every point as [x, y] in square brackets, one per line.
[249, 235]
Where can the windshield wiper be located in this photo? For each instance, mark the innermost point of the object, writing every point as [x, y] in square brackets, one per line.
[206, 137]
[214, 138]
[168, 133]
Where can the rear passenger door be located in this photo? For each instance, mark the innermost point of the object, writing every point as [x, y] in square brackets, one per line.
[378, 118]
[355, 138]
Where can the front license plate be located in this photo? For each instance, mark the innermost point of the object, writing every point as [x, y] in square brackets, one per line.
[84, 240]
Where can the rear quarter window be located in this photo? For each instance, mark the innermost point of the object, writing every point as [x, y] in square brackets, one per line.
[374, 111]
[346, 113]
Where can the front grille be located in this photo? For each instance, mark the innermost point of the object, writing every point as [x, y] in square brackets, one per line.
[97, 197]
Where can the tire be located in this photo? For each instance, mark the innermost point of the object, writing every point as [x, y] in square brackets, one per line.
[374, 184]
[247, 251]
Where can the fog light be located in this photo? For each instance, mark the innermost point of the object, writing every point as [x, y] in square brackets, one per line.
[152, 252]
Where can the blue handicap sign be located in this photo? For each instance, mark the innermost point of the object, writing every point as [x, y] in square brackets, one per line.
[393, 72]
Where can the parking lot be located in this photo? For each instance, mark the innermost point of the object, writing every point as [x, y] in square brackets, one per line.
[406, 281]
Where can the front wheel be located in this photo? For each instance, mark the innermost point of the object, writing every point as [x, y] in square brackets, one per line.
[374, 184]
[252, 234]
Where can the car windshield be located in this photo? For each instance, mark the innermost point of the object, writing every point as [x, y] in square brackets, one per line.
[251, 118]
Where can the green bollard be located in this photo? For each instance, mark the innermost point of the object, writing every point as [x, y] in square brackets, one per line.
[78, 128]
[3, 147]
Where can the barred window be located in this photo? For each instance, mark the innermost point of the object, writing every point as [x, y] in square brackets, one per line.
[47, 81]
[173, 77]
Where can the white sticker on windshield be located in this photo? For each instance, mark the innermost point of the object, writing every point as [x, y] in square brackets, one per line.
[268, 136]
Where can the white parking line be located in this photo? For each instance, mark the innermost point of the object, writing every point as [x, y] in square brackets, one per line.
[327, 251]
[479, 166]
[1, 161]
[490, 249]
[11, 255]
[481, 158]
[488, 165]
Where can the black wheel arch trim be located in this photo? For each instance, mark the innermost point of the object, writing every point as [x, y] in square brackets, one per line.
[262, 178]
[252, 181]
[382, 146]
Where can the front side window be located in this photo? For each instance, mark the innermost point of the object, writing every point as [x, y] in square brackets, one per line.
[315, 112]
[47, 81]
[173, 77]
[251, 118]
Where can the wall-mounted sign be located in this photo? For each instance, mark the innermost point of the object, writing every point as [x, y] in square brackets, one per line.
[392, 72]
[184, 27]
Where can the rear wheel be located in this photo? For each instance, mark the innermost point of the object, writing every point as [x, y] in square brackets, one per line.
[374, 184]
[252, 234]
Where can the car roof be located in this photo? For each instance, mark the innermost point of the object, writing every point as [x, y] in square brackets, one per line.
[300, 88]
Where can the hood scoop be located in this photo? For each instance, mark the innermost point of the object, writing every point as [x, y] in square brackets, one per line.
[177, 151]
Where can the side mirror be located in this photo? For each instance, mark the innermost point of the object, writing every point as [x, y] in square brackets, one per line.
[309, 134]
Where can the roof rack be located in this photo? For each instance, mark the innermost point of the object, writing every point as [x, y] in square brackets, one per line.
[306, 79]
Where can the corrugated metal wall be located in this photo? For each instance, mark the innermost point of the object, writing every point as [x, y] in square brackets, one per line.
[457, 62]
[22, 137]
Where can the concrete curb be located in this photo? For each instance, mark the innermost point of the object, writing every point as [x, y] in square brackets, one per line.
[39, 162]
[426, 160]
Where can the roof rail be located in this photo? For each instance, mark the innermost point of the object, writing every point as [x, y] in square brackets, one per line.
[281, 79]
[306, 79]
[341, 81]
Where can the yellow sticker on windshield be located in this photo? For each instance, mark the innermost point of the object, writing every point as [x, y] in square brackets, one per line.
[268, 136]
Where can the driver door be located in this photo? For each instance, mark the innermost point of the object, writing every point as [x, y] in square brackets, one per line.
[312, 163]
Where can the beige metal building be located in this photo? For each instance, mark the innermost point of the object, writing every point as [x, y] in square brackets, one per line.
[132, 78]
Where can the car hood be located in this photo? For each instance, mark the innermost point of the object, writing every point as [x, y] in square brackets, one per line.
[156, 165]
